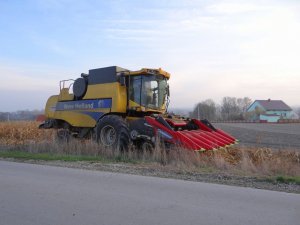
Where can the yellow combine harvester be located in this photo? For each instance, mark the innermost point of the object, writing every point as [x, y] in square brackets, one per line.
[119, 106]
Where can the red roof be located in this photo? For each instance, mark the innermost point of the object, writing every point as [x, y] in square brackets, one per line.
[274, 105]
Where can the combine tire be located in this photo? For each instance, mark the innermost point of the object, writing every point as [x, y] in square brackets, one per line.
[79, 87]
[146, 147]
[63, 136]
[112, 132]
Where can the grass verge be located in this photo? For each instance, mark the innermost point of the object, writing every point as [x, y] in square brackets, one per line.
[62, 157]
[48, 156]
[284, 179]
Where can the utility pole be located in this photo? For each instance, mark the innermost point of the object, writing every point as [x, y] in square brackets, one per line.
[198, 112]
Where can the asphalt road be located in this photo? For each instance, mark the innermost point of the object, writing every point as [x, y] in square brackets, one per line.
[37, 194]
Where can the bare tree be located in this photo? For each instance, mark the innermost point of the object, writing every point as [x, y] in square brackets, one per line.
[20, 115]
[230, 109]
[218, 112]
[243, 104]
[4, 116]
[205, 110]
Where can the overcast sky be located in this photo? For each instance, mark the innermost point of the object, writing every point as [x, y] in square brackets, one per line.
[211, 48]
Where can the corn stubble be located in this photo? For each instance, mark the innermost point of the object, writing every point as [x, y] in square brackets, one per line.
[22, 132]
[26, 136]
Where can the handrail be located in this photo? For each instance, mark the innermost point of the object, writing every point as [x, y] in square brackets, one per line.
[62, 84]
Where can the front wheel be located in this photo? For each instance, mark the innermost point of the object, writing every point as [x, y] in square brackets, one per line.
[63, 136]
[147, 147]
[112, 132]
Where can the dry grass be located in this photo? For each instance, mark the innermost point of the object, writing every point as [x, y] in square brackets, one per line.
[250, 161]
[254, 161]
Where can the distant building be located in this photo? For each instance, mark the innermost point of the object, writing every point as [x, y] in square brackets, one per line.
[269, 111]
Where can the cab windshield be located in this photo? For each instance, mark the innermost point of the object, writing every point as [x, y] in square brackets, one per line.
[148, 90]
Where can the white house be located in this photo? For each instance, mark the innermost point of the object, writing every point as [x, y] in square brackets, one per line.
[270, 110]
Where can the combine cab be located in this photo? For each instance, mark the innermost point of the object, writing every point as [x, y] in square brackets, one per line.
[119, 107]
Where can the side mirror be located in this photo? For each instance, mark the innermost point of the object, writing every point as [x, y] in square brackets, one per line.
[168, 91]
[122, 81]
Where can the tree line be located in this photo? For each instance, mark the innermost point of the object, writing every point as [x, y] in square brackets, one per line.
[231, 108]
[20, 115]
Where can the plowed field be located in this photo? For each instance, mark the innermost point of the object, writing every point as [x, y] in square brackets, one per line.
[276, 136]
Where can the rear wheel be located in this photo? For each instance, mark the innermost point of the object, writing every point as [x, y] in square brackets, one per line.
[112, 132]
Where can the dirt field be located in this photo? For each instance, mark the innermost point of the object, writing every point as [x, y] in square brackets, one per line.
[276, 136]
